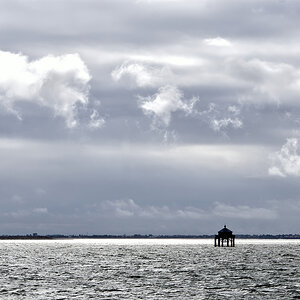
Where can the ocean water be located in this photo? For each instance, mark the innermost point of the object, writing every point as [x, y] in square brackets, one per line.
[149, 269]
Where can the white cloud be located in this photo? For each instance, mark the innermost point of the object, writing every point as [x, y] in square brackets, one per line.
[54, 82]
[217, 42]
[168, 59]
[277, 81]
[27, 212]
[220, 118]
[155, 1]
[129, 208]
[286, 162]
[243, 212]
[166, 101]
[121, 208]
[138, 74]
[95, 120]
[217, 125]
[231, 119]
[40, 210]
[234, 110]
[274, 171]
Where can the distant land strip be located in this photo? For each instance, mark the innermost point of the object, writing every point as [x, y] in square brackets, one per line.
[141, 236]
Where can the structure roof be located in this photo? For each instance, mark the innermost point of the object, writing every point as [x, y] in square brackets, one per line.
[225, 230]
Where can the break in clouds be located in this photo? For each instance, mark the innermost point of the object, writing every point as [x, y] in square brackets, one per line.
[149, 116]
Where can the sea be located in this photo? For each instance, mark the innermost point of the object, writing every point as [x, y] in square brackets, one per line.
[149, 269]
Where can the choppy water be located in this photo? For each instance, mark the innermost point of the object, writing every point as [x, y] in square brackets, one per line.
[149, 269]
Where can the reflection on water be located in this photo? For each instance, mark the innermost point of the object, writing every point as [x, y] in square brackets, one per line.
[149, 269]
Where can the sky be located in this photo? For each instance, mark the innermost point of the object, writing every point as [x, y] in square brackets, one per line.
[149, 116]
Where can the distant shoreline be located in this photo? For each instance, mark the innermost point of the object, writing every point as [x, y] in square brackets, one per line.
[138, 236]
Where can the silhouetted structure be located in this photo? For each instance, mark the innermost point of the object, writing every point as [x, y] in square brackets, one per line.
[225, 234]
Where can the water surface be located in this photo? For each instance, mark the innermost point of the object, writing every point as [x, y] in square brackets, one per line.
[149, 269]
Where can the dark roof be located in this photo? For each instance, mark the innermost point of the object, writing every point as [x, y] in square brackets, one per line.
[225, 230]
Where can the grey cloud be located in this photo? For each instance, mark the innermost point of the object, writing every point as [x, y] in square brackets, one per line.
[119, 21]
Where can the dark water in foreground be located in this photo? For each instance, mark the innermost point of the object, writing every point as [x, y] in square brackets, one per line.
[149, 269]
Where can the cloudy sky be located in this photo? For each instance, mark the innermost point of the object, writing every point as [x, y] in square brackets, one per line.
[149, 116]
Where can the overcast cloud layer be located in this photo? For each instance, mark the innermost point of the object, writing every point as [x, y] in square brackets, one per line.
[143, 116]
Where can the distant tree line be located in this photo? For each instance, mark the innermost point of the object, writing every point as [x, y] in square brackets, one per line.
[144, 236]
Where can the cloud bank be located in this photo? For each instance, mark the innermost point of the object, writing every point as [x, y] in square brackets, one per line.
[129, 208]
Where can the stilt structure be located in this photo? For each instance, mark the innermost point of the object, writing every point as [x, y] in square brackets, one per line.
[225, 235]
